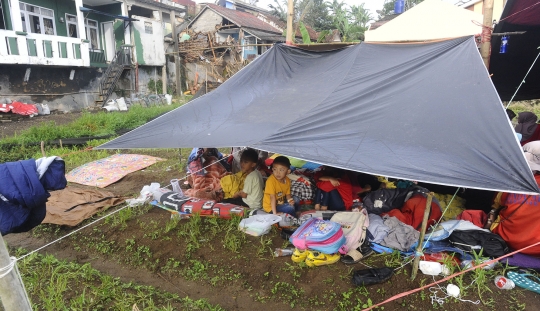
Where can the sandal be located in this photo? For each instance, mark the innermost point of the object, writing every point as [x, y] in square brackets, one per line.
[317, 207]
[315, 259]
[525, 280]
[298, 255]
[355, 255]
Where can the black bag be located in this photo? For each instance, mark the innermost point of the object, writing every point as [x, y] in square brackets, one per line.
[367, 277]
[385, 200]
[475, 241]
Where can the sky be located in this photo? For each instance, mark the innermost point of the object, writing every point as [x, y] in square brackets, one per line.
[371, 5]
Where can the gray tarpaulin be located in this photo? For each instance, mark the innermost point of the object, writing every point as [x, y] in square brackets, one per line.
[425, 112]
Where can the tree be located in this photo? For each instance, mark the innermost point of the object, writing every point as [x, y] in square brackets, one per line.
[279, 10]
[350, 21]
[315, 14]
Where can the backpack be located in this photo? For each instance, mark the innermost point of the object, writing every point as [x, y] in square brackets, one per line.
[470, 241]
[354, 226]
[385, 200]
[321, 235]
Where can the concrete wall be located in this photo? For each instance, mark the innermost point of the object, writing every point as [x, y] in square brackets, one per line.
[207, 21]
[148, 47]
[50, 85]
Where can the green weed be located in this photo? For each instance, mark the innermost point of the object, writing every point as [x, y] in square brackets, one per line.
[50, 284]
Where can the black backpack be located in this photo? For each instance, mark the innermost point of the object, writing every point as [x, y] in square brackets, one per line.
[385, 200]
[475, 241]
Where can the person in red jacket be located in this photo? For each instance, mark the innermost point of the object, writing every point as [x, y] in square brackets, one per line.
[334, 190]
[518, 220]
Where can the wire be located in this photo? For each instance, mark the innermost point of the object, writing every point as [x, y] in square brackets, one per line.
[523, 81]
[537, 3]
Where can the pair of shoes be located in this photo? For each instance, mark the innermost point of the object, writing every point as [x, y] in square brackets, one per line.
[299, 255]
[355, 255]
[315, 259]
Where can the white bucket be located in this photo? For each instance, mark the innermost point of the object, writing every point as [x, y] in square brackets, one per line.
[168, 98]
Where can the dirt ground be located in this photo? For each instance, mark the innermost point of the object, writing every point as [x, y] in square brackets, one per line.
[245, 280]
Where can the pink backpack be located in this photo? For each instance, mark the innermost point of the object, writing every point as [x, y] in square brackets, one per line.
[321, 235]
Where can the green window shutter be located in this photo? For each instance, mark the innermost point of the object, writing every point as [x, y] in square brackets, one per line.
[32, 49]
[77, 50]
[62, 47]
[13, 48]
[47, 48]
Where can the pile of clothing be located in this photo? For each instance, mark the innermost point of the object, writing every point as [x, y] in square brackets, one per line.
[24, 191]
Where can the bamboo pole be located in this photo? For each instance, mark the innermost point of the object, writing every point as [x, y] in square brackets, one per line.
[211, 47]
[43, 148]
[485, 48]
[12, 292]
[422, 234]
[290, 14]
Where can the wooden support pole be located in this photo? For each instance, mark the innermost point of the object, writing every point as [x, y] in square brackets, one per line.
[60, 143]
[43, 148]
[211, 45]
[164, 79]
[422, 234]
[290, 15]
[177, 58]
[485, 48]
[12, 292]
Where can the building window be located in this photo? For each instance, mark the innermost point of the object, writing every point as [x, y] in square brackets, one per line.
[92, 33]
[36, 19]
[248, 41]
[148, 28]
[71, 22]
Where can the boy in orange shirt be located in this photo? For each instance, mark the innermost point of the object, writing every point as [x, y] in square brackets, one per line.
[277, 193]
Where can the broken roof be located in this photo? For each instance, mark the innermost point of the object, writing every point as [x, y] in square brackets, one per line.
[263, 22]
[242, 19]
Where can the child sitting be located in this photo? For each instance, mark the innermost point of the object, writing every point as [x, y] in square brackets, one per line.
[252, 191]
[334, 190]
[277, 193]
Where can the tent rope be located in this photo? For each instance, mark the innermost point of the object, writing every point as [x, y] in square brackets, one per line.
[479, 266]
[537, 3]
[523, 81]
[7, 269]
[439, 221]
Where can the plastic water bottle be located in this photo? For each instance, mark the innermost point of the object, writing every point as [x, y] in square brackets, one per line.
[280, 252]
[504, 283]
[504, 44]
[176, 186]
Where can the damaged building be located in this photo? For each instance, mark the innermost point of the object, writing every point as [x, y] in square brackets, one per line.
[73, 55]
[224, 37]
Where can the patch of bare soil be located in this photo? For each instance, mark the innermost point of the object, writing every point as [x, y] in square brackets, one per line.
[10, 127]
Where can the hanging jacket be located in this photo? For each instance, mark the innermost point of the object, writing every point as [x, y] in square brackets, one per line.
[22, 195]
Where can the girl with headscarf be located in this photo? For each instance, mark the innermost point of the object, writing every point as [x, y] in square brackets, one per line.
[527, 127]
